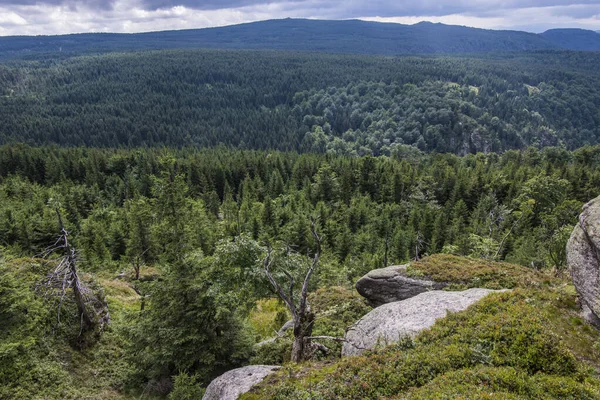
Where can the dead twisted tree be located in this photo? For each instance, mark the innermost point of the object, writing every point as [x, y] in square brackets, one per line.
[302, 317]
[64, 284]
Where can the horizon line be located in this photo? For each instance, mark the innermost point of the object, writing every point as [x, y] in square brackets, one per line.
[366, 20]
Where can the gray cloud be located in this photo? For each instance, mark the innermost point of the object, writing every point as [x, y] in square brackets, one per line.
[362, 8]
[391, 8]
[339, 8]
[65, 16]
[71, 4]
[200, 5]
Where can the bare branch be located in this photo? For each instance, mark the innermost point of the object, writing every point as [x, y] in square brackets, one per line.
[302, 317]
[92, 312]
[268, 261]
[335, 339]
[320, 346]
[315, 262]
[292, 283]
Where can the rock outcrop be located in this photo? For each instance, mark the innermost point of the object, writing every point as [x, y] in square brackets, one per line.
[236, 382]
[583, 258]
[390, 322]
[387, 285]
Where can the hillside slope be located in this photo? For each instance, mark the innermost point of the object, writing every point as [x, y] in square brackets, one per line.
[526, 343]
[350, 36]
[574, 39]
[346, 104]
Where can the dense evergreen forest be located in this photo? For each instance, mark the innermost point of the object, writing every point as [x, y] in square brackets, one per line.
[339, 104]
[369, 208]
[147, 199]
[187, 230]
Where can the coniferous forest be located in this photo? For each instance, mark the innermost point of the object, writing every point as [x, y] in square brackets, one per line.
[159, 187]
[341, 104]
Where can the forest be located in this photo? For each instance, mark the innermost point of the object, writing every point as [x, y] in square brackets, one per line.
[164, 213]
[324, 103]
[175, 240]
[328, 36]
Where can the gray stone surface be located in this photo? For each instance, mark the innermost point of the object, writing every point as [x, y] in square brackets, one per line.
[236, 382]
[386, 285]
[583, 258]
[390, 322]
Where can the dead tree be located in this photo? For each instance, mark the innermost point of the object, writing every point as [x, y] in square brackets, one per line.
[419, 245]
[302, 317]
[64, 284]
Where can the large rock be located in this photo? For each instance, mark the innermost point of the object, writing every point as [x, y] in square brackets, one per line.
[236, 382]
[386, 285]
[390, 322]
[583, 257]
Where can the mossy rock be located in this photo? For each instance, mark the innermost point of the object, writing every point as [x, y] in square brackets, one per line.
[464, 272]
[528, 341]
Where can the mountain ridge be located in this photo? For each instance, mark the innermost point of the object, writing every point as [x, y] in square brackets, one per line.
[336, 36]
[573, 38]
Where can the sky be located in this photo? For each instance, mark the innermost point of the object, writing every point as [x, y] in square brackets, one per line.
[48, 17]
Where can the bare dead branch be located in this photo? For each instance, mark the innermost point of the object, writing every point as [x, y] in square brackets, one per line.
[319, 346]
[64, 283]
[292, 283]
[302, 317]
[315, 262]
[268, 261]
[335, 339]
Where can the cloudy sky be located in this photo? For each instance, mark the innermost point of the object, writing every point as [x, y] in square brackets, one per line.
[34, 17]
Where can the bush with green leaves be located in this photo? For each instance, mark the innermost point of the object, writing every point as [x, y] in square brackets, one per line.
[515, 334]
[187, 328]
[186, 387]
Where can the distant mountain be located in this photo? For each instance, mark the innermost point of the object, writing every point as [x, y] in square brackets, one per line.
[574, 39]
[351, 36]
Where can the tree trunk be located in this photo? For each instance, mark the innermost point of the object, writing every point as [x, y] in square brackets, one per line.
[302, 329]
[84, 317]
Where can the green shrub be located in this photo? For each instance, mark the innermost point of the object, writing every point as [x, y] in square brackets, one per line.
[336, 309]
[277, 352]
[483, 382]
[36, 358]
[466, 272]
[186, 387]
[511, 330]
[268, 317]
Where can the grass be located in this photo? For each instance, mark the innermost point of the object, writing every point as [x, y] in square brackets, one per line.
[335, 309]
[521, 344]
[464, 272]
[50, 368]
[120, 295]
[268, 317]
